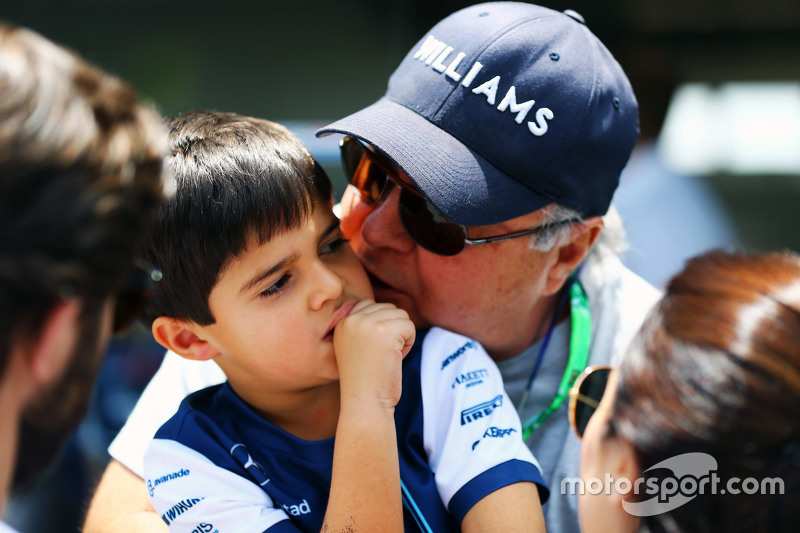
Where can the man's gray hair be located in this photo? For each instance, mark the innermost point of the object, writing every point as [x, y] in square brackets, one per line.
[612, 239]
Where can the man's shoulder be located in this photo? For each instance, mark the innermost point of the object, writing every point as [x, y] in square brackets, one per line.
[191, 375]
[619, 301]
[612, 287]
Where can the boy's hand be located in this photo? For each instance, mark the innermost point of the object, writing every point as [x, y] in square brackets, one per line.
[370, 344]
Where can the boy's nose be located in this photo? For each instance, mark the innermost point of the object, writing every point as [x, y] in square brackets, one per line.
[328, 285]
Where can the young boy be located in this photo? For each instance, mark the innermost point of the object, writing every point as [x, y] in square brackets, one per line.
[256, 275]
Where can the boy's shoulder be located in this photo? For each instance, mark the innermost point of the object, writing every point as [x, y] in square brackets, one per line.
[196, 404]
[441, 365]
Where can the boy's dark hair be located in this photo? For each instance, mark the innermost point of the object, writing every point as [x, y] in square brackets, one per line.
[234, 177]
[80, 168]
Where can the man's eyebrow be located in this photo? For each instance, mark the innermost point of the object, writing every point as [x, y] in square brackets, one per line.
[258, 278]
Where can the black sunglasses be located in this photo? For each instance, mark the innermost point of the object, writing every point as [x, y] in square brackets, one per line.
[585, 396]
[374, 175]
[133, 295]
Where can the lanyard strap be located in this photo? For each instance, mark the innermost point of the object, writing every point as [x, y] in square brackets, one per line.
[412, 507]
[579, 340]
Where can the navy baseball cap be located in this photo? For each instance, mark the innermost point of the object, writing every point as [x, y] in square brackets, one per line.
[501, 109]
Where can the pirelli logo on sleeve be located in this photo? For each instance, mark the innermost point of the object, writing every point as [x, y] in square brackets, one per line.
[481, 410]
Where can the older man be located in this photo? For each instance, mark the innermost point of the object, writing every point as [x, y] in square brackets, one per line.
[478, 189]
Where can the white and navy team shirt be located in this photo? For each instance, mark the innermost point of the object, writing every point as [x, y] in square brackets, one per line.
[216, 466]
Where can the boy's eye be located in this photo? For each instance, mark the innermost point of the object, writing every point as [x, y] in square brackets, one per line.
[334, 246]
[277, 287]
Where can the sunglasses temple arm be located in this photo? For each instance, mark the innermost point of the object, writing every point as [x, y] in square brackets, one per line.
[517, 234]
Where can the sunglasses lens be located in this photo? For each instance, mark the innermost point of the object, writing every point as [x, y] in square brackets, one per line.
[362, 172]
[420, 218]
[590, 392]
[427, 227]
[351, 152]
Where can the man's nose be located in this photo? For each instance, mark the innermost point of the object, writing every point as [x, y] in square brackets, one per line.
[382, 227]
[377, 224]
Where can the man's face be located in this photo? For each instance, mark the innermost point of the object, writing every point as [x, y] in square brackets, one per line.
[54, 413]
[494, 292]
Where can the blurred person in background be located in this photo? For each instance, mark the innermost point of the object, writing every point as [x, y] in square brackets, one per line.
[683, 211]
[708, 399]
[80, 171]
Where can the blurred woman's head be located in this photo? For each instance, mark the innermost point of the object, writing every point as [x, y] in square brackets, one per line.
[715, 372]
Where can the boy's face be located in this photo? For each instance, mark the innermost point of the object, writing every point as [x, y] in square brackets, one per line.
[276, 304]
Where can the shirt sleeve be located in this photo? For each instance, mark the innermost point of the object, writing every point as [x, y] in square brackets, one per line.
[193, 494]
[175, 378]
[472, 432]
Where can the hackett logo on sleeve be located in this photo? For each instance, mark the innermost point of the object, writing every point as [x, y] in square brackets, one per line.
[434, 53]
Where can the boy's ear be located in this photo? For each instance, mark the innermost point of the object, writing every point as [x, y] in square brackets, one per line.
[179, 336]
[570, 254]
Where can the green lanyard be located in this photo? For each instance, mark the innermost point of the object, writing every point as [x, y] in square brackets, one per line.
[580, 337]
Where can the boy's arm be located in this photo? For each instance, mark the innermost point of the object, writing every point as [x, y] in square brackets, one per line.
[121, 505]
[365, 485]
[513, 508]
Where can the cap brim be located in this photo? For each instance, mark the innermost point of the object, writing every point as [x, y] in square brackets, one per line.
[465, 187]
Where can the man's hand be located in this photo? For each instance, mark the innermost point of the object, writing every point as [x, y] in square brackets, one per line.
[120, 505]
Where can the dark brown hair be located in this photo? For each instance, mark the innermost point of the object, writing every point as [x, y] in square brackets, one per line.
[80, 167]
[232, 177]
[716, 369]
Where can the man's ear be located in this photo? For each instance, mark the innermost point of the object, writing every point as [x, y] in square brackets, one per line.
[582, 237]
[181, 337]
[48, 354]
